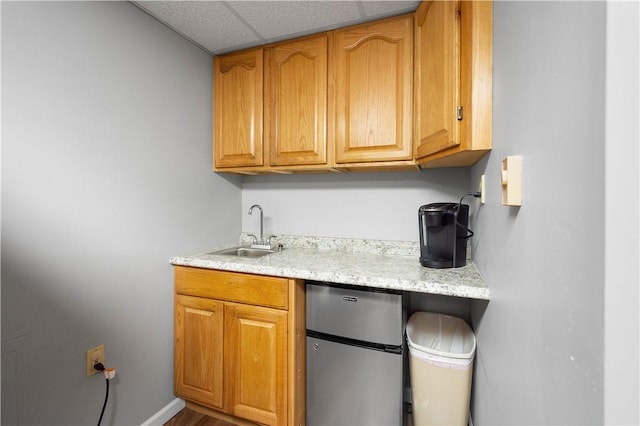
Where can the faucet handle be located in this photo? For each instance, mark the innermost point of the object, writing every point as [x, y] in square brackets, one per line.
[255, 239]
[277, 247]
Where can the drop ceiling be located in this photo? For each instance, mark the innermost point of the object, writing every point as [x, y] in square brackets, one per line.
[225, 26]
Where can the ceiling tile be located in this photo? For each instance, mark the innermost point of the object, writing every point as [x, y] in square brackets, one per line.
[209, 23]
[223, 26]
[374, 9]
[285, 19]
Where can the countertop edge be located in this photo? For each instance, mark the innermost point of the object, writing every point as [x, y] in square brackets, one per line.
[343, 277]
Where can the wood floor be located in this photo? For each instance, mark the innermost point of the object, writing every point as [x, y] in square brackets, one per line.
[188, 417]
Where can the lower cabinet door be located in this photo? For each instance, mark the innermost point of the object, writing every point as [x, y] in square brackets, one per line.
[256, 363]
[198, 349]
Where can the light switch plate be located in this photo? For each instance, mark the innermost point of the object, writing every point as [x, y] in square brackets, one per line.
[511, 180]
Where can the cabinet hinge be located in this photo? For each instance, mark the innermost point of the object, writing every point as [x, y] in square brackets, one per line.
[459, 113]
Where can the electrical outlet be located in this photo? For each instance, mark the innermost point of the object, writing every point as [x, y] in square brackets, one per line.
[481, 187]
[94, 356]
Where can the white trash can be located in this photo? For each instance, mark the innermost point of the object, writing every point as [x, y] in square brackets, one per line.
[441, 352]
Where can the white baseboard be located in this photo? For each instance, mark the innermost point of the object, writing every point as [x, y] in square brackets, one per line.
[165, 414]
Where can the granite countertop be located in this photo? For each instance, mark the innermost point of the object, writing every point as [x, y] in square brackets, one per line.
[369, 263]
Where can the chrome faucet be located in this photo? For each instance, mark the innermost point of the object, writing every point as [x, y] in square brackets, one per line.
[260, 242]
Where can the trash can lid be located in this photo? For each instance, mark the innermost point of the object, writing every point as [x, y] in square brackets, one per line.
[440, 334]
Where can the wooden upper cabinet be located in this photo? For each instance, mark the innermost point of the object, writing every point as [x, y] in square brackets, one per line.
[453, 82]
[296, 102]
[238, 98]
[373, 98]
[437, 76]
[399, 93]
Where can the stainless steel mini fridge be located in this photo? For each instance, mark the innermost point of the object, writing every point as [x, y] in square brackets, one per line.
[354, 356]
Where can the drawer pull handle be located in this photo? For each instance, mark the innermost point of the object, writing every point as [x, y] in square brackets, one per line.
[349, 299]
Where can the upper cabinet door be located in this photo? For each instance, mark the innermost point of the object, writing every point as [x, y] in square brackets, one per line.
[453, 78]
[296, 102]
[238, 88]
[437, 76]
[372, 73]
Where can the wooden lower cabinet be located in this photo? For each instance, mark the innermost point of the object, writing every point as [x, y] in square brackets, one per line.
[256, 348]
[235, 357]
[199, 349]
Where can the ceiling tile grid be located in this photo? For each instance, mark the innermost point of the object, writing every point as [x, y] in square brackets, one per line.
[280, 19]
[223, 26]
[211, 24]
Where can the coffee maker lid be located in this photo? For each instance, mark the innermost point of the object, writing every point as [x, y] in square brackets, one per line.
[437, 207]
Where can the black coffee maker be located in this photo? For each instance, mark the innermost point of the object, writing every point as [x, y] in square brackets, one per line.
[443, 234]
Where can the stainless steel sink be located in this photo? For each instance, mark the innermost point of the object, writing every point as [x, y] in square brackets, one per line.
[243, 252]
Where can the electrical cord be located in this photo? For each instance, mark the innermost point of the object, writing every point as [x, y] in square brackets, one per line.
[100, 367]
[466, 228]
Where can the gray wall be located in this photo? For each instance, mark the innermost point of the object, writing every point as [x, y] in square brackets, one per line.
[105, 175]
[541, 339]
[540, 356]
[106, 157]
[380, 206]
[359, 205]
[622, 236]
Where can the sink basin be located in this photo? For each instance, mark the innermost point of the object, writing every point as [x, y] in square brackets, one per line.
[243, 252]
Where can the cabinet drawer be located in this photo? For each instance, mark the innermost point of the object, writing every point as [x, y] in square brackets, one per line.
[232, 286]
